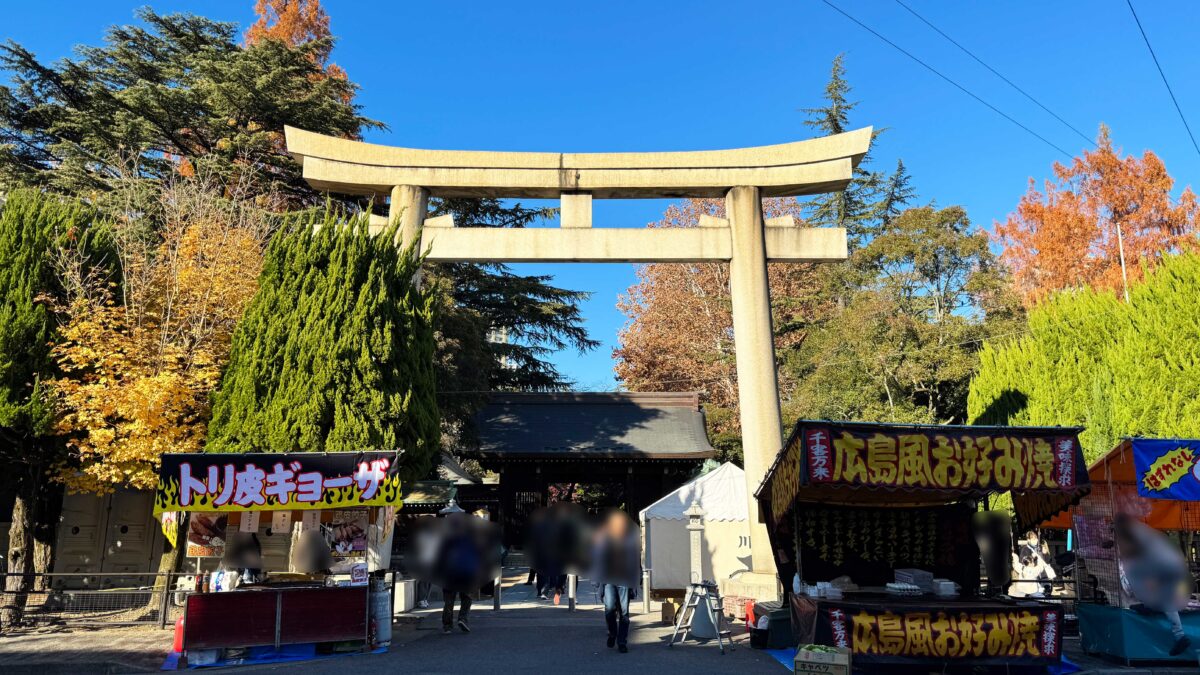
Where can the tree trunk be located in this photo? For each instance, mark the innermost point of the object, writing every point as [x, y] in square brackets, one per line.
[45, 533]
[168, 563]
[19, 580]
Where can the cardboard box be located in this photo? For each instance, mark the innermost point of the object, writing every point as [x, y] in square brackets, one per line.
[823, 663]
[670, 609]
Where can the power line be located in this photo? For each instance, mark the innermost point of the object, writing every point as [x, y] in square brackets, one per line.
[958, 86]
[995, 72]
[1163, 75]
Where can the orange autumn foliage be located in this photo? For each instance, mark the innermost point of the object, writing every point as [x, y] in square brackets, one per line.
[294, 22]
[1066, 236]
[137, 373]
[679, 334]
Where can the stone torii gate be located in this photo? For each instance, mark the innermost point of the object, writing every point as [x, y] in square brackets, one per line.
[743, 176]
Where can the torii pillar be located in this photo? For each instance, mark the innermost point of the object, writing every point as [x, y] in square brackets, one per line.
[744, 239]
[754, 345]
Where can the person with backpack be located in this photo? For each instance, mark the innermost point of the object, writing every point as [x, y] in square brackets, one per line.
[460, 568]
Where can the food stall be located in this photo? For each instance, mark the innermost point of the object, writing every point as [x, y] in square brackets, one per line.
[875, 522]
[1155, 480]
[329, 518]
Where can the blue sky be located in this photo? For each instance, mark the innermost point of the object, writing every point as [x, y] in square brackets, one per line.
[628, 76]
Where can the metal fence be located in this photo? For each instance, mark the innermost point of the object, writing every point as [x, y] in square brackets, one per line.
[82, 599]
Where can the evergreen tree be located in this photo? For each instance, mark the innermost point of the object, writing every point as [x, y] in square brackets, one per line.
[904, 347]
[335, 352]
[857, 207]
[178, 94]
[897, 192]
[497, 329]
[33, 229]
[1120, 369]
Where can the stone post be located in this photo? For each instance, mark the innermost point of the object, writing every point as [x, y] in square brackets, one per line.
[695, 527]
[758, 391]
[408, 203]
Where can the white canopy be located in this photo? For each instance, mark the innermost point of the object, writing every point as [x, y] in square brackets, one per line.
[720, 492]
[725, 549]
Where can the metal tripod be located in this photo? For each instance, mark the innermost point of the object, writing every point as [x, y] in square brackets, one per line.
[704, 597]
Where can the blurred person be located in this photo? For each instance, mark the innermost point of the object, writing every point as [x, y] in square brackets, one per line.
[616, 560]
[423, 558]
[310, 552]
[460, 553]
[558, 540]
[992, 531]
[460, 562]
[1154, 570]
[243, 555]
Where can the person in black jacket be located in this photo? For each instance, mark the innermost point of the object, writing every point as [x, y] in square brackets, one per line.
[616, 566]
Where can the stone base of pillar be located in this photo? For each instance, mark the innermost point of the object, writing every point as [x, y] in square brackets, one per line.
[761, 586]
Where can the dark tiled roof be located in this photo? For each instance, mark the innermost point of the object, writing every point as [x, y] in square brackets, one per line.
[593, 425]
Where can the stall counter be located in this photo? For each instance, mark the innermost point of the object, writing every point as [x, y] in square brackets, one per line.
[1131, 635]
[882, 629]
[279, 615]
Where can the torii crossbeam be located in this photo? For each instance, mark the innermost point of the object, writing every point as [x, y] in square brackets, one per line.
[743, 176]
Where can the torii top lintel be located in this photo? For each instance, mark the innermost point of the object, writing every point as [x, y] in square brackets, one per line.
[790, 169]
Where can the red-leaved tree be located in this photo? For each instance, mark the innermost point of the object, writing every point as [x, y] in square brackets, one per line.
[1074, 232]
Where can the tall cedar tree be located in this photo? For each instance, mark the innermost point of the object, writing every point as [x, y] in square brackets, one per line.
[1066, 236]
[177, 94]
[920, 291]
[857, 207]
[1118, 369]
[497, 329]
[33, 227]
[335, 352]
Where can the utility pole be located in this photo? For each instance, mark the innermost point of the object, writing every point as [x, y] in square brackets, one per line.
[1121, 251]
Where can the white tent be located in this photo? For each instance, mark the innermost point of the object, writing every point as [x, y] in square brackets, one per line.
[725, 547]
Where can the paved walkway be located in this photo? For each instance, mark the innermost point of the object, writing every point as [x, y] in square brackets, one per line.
[52, 651]
[545, 639]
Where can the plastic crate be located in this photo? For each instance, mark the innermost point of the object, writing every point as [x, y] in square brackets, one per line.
[734, 606]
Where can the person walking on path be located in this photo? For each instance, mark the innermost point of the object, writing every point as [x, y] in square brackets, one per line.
[460, 562]
[616, 560]
[461, 554]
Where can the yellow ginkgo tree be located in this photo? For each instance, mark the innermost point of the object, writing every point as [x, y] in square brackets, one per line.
[139, 357]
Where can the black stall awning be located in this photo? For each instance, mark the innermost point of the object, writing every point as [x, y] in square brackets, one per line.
[855, 463]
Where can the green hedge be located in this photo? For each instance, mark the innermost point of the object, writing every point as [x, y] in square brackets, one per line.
[1090, 359]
